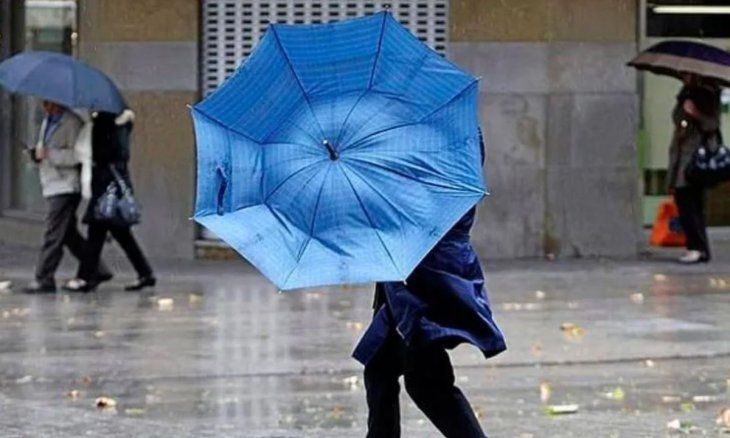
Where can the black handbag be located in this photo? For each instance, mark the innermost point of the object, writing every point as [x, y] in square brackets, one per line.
[117, 205]
[708, 167]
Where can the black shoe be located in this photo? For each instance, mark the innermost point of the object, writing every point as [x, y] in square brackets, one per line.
[141, 284]
[37, 288]
[79, 285]
[103, 278]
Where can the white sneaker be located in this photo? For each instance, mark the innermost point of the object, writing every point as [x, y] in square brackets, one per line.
[691, 257]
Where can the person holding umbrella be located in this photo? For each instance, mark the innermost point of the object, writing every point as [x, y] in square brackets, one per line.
[63, 82]
[703, 69]
[59, 171]
[696, 118]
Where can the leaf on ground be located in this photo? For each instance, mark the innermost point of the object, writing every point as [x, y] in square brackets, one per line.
[194, 298]
[74, 394]
[165, 304]
[545, 392]
[134, 412]
[704, 398]
[540, 295]
[660, 277]
[671, 399]
[649, 363]
[724, 418]
[354, 325]
[572, 331]
[687, 407]
[561, 409]
[24, 379]
[617, 394]
[637, 298]
[351, 382]
[5, 286]
[681, 426]
[536, 349]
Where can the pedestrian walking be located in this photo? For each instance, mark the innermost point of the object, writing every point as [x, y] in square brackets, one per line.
[59, 171]
[442, 304]
[110, 154]
[696, 119]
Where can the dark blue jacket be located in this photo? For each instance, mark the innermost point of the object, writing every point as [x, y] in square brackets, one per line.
[444, 300]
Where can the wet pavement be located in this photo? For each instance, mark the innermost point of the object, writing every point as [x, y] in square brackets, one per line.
[216, 351]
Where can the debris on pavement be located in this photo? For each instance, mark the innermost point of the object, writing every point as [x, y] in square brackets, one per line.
[540, 295]
[74, 394]
[99, 334]
[134, 412]
[545, 392]
[723, 419]
[649, 363]
[687, 407]
[561, 409]
[165, 304]
[194, 299]
[637, 298]
[5, 286]
[704, 398]
[660, 277]
[351, 382]
[572, 331]
[105, 403]
[24, 380]
[671, 399]
[681, 426]
[354, 325]
[617, 394]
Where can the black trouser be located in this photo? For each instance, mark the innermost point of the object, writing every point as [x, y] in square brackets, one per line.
[61, 230]
[691, 203]
[429, 380]
[123, 235]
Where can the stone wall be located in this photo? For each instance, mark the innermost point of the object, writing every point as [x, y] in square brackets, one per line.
[150, 48]
[559, 113]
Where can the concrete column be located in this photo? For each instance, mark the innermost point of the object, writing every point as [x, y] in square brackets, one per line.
[559, 113]
[150, 48]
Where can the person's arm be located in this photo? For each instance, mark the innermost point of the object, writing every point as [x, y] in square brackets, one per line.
[706, 122]
[64, 154]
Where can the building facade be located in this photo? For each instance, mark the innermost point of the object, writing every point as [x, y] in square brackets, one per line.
[560, 111]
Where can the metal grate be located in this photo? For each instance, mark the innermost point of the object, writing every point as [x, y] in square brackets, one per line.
[231, 28]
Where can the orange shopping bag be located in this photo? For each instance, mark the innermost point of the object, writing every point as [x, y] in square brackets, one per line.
[667, 230]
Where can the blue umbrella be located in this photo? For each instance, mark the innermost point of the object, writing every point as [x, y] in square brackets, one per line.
[62, 79]
[338, 153]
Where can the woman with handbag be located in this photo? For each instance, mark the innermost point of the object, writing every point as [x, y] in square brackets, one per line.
[697, 122]
[112, 208]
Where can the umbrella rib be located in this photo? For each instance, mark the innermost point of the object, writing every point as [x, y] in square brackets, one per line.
[228, 128]
[453, 98]
[311, 226]
[271, 193]
[385, 199]
[436, 110]
[377, 54]
[296, 76]
[410, 177]
[370, 221]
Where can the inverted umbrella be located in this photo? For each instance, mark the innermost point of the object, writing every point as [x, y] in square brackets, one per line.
[338, 153]
[673, 58]
[62, 79]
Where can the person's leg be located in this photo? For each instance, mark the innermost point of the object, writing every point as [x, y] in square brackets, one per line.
[685, 197]
[76, 245]
[704, 242]
[429, 380]
[92, 252]
[382, 389]
[61, 210]
[123, 235]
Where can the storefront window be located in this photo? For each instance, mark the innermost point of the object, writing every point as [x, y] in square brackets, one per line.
[49, 25]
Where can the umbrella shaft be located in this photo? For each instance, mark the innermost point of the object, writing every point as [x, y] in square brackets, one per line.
[331, 150]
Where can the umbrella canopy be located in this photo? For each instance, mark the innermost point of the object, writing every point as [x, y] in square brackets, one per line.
[338, 153]
[62, 79]
[673, 58]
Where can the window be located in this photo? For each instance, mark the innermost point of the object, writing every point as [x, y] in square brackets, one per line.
[426, 19]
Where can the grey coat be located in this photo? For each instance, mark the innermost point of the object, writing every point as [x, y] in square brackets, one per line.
[690, 133]
[60, 170]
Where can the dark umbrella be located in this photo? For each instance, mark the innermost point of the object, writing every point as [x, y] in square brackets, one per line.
[62, 79]
[673, 58]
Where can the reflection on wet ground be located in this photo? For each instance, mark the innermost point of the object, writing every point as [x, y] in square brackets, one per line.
[220, 353]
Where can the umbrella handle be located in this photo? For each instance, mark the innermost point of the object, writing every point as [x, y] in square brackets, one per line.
[333, 153]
